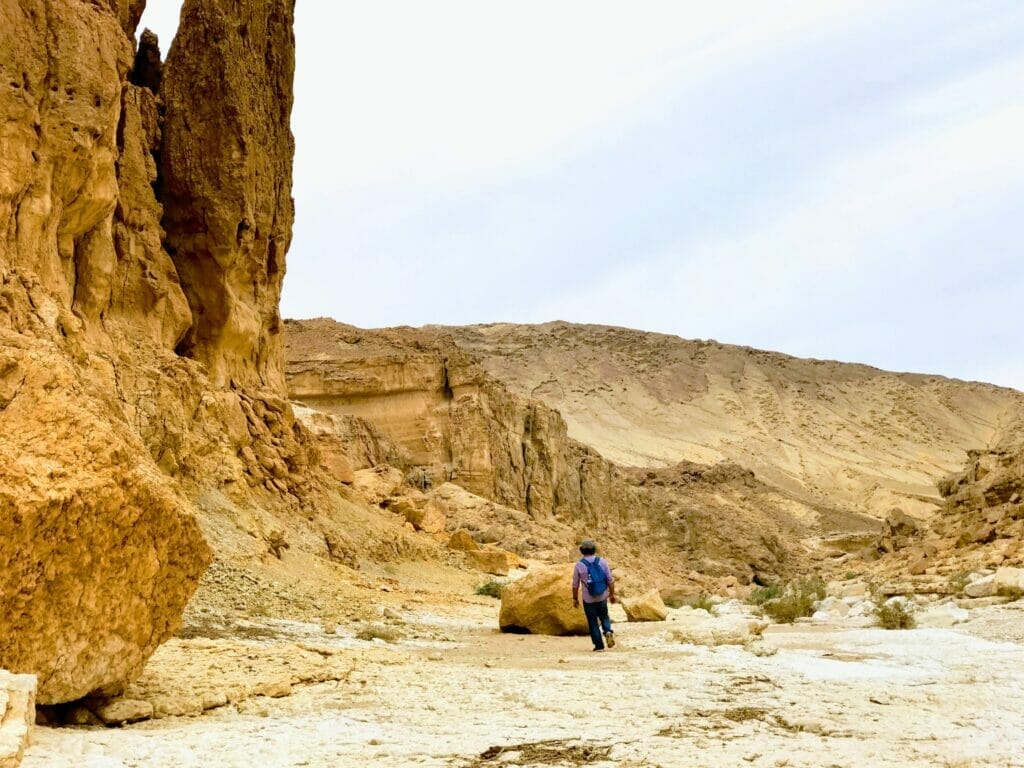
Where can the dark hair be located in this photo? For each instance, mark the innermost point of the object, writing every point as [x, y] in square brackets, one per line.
[587, 547]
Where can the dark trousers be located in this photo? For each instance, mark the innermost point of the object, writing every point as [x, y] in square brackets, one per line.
[597, 620]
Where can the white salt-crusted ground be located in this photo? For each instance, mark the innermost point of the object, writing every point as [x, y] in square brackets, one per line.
[830, 696]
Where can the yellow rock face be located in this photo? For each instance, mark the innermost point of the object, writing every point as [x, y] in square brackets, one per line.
[541, 603]
[110, 425]
[646, 607]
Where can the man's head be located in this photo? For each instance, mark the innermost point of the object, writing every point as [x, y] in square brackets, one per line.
[587, 547]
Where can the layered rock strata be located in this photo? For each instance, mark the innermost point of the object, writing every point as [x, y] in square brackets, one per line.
[534, 489]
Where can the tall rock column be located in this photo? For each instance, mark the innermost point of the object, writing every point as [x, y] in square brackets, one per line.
[226, 173]
[99, 552]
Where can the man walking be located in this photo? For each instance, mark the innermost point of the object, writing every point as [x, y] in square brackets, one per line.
[598, 589]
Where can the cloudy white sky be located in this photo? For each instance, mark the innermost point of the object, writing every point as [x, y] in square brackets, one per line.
[834, 180]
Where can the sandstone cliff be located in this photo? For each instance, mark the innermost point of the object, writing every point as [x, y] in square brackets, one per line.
[226, 178]
[453, 423]
[131, 382]
[843, 435]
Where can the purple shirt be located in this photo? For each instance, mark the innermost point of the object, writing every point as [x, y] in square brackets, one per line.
[579, 575]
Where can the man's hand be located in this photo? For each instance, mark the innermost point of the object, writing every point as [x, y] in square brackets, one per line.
[612, 599]
[575, 603]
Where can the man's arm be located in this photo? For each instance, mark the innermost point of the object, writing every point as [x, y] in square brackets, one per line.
[611, 583]
[575, 586]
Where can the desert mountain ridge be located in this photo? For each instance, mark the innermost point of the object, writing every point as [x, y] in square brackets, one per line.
[843, 434]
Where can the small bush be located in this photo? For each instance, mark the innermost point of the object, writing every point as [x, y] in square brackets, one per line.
[894, 615]
[703, 602]
[1014, 593]
[379, 632]
[851, 575]
[761, 595]
[490, 588]
[958, 581]
[795, 601]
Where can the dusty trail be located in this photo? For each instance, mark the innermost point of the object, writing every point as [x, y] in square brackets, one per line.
[828, 697]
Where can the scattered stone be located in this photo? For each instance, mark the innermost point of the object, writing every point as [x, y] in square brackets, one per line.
[428, 517]
[17, 716]
[491, 561]
[981, 587]
[942, 616]
[856, 589]
[718, 630]
[1009, 579]
[647, 607]
[462, 541]
[121, 711]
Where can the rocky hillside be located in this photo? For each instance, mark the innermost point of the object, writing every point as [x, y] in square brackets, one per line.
[980, 525]
[837, 434]
[412, 399]
[145, 212]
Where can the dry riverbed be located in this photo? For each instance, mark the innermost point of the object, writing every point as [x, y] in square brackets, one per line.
[457, 693]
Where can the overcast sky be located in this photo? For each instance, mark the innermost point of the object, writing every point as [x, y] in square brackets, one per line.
[832, 180]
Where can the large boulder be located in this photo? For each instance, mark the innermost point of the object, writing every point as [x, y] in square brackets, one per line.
[541, 603]
[98, 555]
[646, 607]
[17, 716]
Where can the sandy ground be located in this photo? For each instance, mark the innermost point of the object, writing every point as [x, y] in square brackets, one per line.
[461, 694]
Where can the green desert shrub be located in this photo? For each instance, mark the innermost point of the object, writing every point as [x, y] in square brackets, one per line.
[958, 581]
[761, 595]
[703, 602]
[796, 600]
[490, 588]
[1014, 593]
[894, 615]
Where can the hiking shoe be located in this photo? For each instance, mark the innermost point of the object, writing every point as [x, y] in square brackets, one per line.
[609, 639]
[598, 649]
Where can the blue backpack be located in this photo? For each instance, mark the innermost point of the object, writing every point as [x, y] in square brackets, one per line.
[597, 581]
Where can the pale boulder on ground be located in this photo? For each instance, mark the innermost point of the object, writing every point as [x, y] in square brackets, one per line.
[981, 586]
[121, 711]
[17, 716]
[698, 627]
[541, 603]
[942, 616]
[646, 607]
[1009, 580]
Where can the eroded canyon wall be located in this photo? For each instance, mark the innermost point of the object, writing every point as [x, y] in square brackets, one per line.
[226, 173]
[125, 389]
[454, 423]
